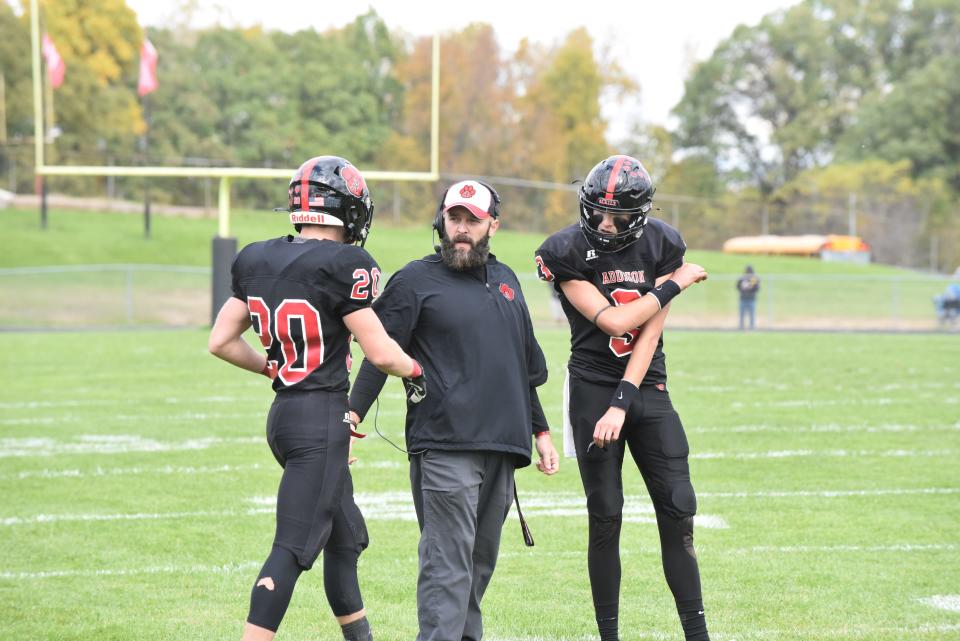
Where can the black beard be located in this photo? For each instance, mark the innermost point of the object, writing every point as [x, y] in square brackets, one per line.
[460, 261]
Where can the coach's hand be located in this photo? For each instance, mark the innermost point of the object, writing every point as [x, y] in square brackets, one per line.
[415, 385]
[549, 462]
[609, 426]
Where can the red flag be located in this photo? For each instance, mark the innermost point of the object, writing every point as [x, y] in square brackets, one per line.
[148, 69]
[56, 68]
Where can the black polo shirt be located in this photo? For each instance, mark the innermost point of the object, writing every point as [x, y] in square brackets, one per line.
[471, 332]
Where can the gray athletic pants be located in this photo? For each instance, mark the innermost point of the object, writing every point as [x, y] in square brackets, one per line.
[462, 500]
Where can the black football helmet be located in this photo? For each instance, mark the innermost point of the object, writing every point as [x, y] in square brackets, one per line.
[329, 190]
[619, 186]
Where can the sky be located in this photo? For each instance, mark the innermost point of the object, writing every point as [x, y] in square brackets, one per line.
[655, 42]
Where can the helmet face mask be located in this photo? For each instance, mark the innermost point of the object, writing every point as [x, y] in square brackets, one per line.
[329, 190]
[621, 187]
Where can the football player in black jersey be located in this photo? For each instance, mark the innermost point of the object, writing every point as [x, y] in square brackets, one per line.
[304, 296]
[616, 272]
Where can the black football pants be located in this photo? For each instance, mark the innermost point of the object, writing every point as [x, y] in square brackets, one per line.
[654, 434]
[315, 506]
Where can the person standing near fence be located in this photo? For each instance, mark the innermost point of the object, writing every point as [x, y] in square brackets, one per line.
[748, 285]
[616, 272]
[305, 296]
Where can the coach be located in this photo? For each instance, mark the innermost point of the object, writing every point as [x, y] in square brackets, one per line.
[460, 313]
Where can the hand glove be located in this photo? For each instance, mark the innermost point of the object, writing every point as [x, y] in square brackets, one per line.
[415, 385]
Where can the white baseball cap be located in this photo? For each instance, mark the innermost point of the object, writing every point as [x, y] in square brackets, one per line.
[470, 194]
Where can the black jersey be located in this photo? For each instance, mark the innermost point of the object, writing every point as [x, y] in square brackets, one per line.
[298, 291]
[621, 276]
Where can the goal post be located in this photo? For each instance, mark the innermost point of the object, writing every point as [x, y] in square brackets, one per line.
[221, 256]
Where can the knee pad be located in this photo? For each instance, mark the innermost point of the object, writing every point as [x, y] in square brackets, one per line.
[684, 499]
[604, 531]
[677, 500]
[340, 580]
[274, 586]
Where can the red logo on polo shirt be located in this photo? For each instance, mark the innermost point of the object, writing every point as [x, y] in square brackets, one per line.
[506, 291]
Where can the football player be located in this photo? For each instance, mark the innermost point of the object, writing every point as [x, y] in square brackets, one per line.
[304, 296]
[616, 272]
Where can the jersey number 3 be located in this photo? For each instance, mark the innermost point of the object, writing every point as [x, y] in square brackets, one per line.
[302, 351]
[623, 345]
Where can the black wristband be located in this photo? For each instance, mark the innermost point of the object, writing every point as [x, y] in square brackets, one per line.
[665, 292]
[623, 397]
[600, 311]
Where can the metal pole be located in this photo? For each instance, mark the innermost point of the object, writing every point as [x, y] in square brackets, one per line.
[435, 109]
[40, 183]
[37, 94]
[852, 214]
[146, 161]
[765, 220]
[224, 207]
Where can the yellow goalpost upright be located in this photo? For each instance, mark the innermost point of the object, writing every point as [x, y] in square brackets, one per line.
[222, 242]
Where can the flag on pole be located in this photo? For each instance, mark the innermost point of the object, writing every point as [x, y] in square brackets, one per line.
[56, 68]
[148, 69]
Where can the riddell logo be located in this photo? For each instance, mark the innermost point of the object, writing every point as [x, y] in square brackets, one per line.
[309, 218]
[610, 202]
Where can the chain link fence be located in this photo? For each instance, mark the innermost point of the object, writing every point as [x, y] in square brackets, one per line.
[148, 296]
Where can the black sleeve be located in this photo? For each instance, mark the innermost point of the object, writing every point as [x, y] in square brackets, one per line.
[236, 274]
[351, 280]
[540, 423]
[366, 388]
[397, 309]
[672, 250]
[555, 264]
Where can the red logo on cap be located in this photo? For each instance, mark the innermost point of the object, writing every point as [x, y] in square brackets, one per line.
[468, 191]
[506, 291]
[353, 179]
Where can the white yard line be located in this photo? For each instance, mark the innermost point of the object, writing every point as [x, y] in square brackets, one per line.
[243, 566]
[948, 602]
[838, 453]
[111, 444]
[180, 470]
[827, 428]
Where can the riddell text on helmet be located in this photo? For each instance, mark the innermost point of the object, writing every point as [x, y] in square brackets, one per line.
[313, 218]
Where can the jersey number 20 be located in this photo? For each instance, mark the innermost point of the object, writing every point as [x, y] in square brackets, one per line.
[305, 349]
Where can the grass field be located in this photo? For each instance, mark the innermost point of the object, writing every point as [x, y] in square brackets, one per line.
[796, 292]
[138, 494]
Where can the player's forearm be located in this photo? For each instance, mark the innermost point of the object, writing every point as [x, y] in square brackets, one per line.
[237, 352]
[388, 357]
[618, 320]
[366, 388]
[539, 418]
[644, 347]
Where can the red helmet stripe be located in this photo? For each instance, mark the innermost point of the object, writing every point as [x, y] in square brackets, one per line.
[612, 183]
[305, 184]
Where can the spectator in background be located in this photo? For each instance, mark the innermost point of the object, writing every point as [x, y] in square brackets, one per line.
[748, 285]
[947, 304]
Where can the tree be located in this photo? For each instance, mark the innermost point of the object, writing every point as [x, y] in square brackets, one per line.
[774, 99]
